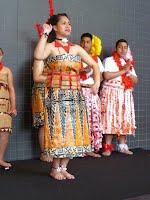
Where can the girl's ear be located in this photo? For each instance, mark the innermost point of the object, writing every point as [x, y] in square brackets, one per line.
[55, 28]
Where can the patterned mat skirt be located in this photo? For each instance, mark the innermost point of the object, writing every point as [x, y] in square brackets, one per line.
[38, 91]
[5, 117]
[66, 126]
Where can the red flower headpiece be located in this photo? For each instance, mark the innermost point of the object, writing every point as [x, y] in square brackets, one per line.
[51, 8]
[51, 12]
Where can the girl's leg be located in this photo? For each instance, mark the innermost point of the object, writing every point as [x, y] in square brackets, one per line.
[108, 147]
[41, 143]
[63, 164]
[56, 169]
[93, 154]
[122, 146]
[4, 138]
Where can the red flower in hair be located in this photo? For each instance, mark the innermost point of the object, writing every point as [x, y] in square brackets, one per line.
[51, 8]
[39, 29]
[51, 12]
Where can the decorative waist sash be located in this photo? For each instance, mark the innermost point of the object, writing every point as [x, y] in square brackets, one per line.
[113, 84]
[63, 81]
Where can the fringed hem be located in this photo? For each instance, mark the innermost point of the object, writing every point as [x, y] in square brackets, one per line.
[6, 130]
[38, 125]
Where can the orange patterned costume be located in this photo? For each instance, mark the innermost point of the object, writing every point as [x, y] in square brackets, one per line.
[66, 127]
[38, 104]
[38, 99]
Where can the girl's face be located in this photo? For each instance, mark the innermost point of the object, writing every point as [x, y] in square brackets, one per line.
[63, 27]
[122, 49]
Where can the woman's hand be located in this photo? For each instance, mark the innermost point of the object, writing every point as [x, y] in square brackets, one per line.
[13, 112]
[95, 88]
[87, 69]
[127, 66]
[47, 28]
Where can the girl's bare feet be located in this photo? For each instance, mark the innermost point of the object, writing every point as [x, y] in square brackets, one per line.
[96, 155]
[128, 152]
[45, 158]
[56, 174]
[5, 165]
[107, 149]
[106, 153]
[123, 148]
[66, 174]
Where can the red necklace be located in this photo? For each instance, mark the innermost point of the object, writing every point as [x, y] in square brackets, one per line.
[66, 48]
[1, 66]
[127, 81]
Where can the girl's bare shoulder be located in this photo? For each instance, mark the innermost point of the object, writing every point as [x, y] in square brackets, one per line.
[6, 70]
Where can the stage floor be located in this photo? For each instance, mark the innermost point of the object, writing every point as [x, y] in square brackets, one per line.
[117, 177]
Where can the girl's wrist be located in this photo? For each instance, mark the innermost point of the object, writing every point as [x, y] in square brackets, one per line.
[45, 34]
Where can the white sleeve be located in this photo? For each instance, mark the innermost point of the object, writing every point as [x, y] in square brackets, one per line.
[107, 65]
[100, 65]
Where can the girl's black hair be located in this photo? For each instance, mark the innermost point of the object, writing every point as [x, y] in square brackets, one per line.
[2, 50]
[53, 20]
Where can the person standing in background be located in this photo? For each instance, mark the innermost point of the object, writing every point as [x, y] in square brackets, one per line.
[92, 45]
[38, 92]
[118, 114]
[7, 109]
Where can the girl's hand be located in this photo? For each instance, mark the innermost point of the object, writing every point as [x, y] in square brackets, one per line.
[127, 66]
[95, 88]
[87, 69]
[47, 28]
[13, 112]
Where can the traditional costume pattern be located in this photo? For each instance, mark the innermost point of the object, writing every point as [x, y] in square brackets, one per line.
[66, 127]
[38, 104]
[93, 107]
[117, 104]
[38, 101]
[5, 117]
